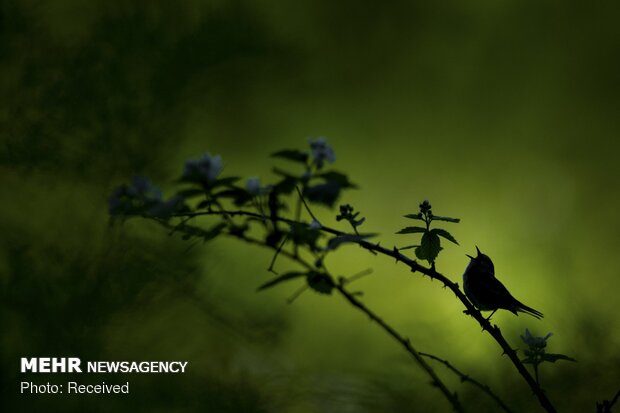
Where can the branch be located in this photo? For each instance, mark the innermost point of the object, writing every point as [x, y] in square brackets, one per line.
[493, 330]
[606, 405]
[464, 377]
[436, 381]
[452, 397]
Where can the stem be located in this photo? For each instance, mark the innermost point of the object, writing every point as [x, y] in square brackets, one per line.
[464, 377]
[493, 330]
[302, 200]
[452, 398]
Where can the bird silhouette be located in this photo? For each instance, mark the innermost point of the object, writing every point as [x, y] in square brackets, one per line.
[486, 292]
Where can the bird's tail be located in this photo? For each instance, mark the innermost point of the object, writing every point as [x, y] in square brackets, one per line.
[529, 310]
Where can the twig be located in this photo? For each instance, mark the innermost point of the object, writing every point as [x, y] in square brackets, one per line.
[350, 297]
[452, 397]
[493, 330]
[466, 378]
[301, 197]
[275, 256]
[357, 276]
[606, 405]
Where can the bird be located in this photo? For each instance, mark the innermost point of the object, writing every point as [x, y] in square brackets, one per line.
[486, 292]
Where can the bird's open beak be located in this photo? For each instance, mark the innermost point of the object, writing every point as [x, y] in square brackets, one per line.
[478, 250]
[470, 257]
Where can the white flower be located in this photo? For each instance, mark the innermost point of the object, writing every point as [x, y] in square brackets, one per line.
[315, 225]
[204, 170]
[141, 187]
[133, 198]
[321, 151]
[252, 185]
[537, 342]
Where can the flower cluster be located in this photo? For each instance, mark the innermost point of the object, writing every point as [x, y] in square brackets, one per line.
[204, 170]
[321, 152]
[141, 197]
[254, 188]
[536, 352]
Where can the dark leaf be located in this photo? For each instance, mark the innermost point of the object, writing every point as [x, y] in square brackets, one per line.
[445, 234]
[213, 232]
[239, 196]
[429, 247]
[225, 181]
[555, 357]
[320, 282]
[286, 185]
[447, 219]
[326, 194]
[411, 230]
[292, 155]
[281, 278]
[190, 193]
[337, 178]
[530, 360]
[301, 234]
[239, 230]
[417, 216]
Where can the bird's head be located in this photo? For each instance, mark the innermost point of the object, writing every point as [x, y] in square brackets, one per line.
[482, 263]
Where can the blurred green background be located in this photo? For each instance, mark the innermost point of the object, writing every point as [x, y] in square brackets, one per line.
[504, 114]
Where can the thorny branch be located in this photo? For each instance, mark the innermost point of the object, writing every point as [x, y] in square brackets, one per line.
[493, 330]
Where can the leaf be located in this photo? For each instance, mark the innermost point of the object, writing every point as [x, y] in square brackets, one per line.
[239, 195]
[337, 241]
[445, 234]
[292, 155]
[447, 219]
[337, 178]
[417, 216]
[320, 282]
[411, 230]
[326, 194]
[429, 247]
[225, 181]
[190, 193]
[281, 278]
[213, 232]
[301, 234]
[190, 231]
[286, 185]
[552, 358]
